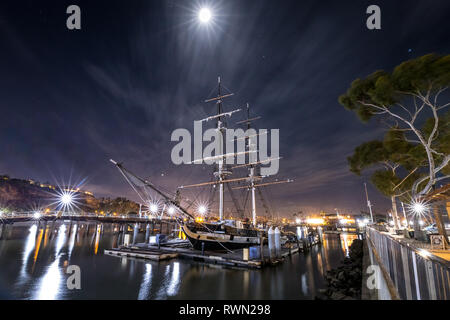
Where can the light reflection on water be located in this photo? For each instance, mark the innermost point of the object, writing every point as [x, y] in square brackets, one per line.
[34, 259]
[346, 242]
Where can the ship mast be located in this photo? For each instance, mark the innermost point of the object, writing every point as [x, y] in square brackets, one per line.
[368, 202]
[252, 171]
[220, 130]
[223, 169]
[221, 172]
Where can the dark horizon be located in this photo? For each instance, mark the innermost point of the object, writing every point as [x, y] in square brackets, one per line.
[117, 88]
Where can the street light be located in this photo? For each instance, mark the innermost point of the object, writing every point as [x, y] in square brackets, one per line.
[418, 207]
[154, 208]
[202, 210]
[66, 199]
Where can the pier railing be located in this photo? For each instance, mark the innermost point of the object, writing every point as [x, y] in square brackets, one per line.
[415, 273]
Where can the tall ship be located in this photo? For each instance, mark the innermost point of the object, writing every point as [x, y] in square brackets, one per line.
[221, 234]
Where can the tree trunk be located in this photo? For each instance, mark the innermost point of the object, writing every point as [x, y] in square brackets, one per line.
[440, 224]
[395, 213]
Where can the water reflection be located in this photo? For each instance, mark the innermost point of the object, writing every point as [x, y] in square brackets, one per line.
[72, 239]
[28, 248]
[174, 279]
[57, 245]
[48, 287]
[346, 242]
[144, 290]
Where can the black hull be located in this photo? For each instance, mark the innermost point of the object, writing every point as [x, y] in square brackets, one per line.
[217, 245]
[214, 245]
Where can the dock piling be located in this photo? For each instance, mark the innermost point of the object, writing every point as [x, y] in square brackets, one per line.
[277, 240]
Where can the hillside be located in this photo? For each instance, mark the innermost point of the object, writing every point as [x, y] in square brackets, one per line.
[28, 195]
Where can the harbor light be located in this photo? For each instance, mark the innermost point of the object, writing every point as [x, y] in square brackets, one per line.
[37, 215]
[199, 219]
[363, 223]
[204, 15]
[171, 210]
[202, 210]
[315, 221]
[154, 208]
[419, 208]
[421, 222]
[66, 199]
[298, 221]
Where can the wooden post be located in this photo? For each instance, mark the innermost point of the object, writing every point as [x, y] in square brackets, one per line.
[261, 247]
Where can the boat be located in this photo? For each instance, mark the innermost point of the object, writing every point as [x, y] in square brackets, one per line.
[220, 235]
[204, 238]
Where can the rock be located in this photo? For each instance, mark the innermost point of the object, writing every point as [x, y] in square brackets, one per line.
[344, 282]
[337, 296]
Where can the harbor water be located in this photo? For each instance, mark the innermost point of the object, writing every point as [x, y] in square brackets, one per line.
[34, 261]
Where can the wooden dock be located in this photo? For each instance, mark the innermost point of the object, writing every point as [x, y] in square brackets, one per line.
[234, 259]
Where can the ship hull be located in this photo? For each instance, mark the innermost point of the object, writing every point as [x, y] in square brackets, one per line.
[218, 241]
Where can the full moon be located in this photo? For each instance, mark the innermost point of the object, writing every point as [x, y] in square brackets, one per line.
[205, 15]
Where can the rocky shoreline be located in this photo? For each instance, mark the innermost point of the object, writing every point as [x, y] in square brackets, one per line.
[345, 282]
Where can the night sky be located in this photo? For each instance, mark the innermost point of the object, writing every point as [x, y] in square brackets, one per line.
[71, 100]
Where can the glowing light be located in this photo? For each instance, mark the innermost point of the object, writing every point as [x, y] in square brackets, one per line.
[424, 253]
[154, 208]
[363, 223]
[37, 215]
[346, 221]
[204, 15]
[199, 219]
[298, 221]
[66, 199]
[171, 210]
[418, 207]
[202, 210]
[315, 221]
[421, 222]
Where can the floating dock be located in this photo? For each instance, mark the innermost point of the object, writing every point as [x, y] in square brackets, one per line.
[182, 250]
